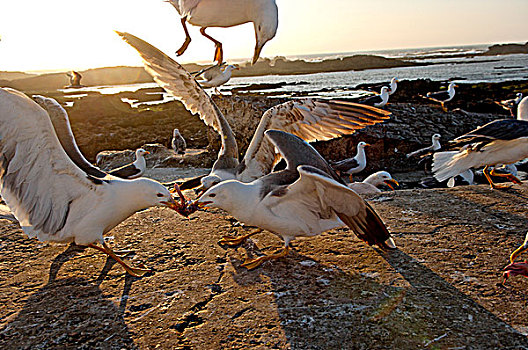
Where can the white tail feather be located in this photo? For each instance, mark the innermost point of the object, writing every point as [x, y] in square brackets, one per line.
[450, 164]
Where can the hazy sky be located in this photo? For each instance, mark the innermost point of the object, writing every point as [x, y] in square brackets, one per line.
[71, 34]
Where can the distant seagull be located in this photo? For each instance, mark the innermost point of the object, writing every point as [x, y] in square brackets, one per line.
[353, 165]
[52, 198]
[378, 100]
[178, 142]
[75, 79]
[135, 169]
[372, 182]
[304, 200]
[215, 76]
[522, 109]
[443, 96]
[393, 85]
[310, 119]
[435, 146]
[511, 104]
[221, 13]
[503, 141]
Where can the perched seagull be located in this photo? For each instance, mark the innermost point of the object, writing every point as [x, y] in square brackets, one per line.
[511, 104]
[355, 164]
[132, 170]
[221, 13]
[393, 85]
[75, 79]
[522, 109]
[178, 142]
[305, 199]
[443, 96]
[435, 146]
[215, 76]
[378, 100]
[371, 183]
[503, 141]
[52, 198]
[310, 119]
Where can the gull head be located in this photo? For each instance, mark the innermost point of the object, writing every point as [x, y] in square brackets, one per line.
[176, 132]
[383, 177]
[226, 195]
[209, 181]
[436, 137]
[384, 90]
[152, 193]
[140, 152]
[362, 145]
[230, 68]
[266, 23]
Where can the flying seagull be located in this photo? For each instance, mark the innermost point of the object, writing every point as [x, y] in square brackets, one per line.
[52, 198]
[355, 164]
[215, 76]
[220, 13]
[132, 170]
[305, 199]
[443, 96]
[310, 119]
[503, 141]
[372, 182]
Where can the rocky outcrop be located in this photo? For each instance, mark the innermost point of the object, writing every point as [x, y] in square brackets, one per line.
[506, 49]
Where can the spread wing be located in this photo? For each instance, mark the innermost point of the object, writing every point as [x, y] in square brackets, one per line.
[172, 77]
[311, 120]
[321, 194]
[38, 180]
[503, 129]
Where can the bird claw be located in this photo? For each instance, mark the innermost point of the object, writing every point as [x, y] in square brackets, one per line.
[139, 271]
[251, 264]
[231, 241]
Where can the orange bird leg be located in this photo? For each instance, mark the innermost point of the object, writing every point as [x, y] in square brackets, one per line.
[133, 271]
[234, 241]
[182, 49]
[488, 177]
[251, 264]
[219, 54]
[510, 177]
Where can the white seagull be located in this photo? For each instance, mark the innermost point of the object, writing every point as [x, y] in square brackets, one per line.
[178, 142]
[522, 109]
[215, 76]
[511, 104]
[355, 164]
[378, 100]
[221, 13]
[443, 96]
[310, 119]
[503, 141]
[135, 169]
[371, 183]
[435, 146]
[393, 85]
[305, 199]
[52, 198]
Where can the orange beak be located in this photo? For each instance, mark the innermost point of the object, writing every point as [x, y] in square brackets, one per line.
[391, 182]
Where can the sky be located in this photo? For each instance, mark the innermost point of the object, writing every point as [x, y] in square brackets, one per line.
[48, 35]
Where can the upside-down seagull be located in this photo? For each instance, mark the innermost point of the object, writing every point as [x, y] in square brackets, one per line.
[134, 169]
[178, 142]
[378, 100]
[305, 199]
[355, 164]
[371, 183]
[310, 119]
[221, 13]
[443, 96]
[215, 76]
[511, 104]
[503, 141]
[52, 198]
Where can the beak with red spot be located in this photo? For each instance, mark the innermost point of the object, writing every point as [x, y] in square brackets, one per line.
[392, 183]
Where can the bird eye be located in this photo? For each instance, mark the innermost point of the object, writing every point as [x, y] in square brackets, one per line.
[160, 195]
[212, 195]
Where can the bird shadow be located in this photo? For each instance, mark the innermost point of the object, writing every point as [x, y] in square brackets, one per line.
[322, 306]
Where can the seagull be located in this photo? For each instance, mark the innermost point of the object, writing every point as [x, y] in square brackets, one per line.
[378, 100]
[75, 79]
[393, 85]
[503, 141]
[52, 198]
[465, 178]
[221, 13]
[178, 142]
[355, 164]
[305, 199]
[132, 170]
[214, 76]
[435, 146]
[310, 119]
[511, 104]
[443, 96]
[371, 183]
[522, 109]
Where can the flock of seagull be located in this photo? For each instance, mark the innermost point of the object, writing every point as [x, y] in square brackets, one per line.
[57, 195]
